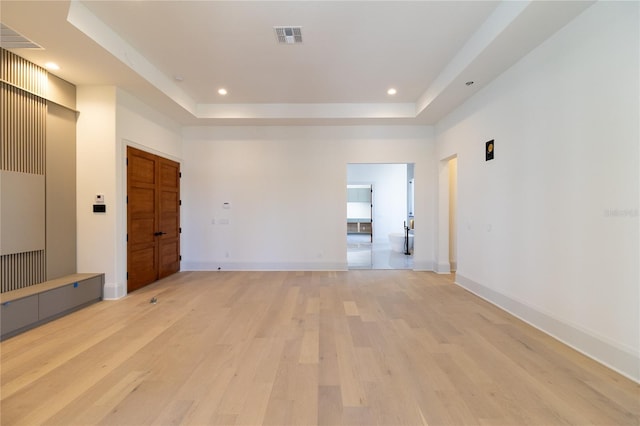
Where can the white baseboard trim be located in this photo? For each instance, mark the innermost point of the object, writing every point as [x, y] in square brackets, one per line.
[443, 268]
[302, 266]
[259, 266]
[423, 265]
[618, 359]
[114, 291]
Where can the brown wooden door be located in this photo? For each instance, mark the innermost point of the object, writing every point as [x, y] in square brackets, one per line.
[153, 218]
[169, 217]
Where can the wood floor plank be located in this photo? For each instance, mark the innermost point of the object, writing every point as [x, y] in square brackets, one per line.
[329, 374]
[203, 411]
[329, 405]
[255, 404]
[309, 351]
[353, 394]
[279, 412]
[305, 404]
[289, 348]
[174, 413]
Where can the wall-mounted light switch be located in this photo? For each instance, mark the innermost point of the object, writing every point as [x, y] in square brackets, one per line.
[99, 199]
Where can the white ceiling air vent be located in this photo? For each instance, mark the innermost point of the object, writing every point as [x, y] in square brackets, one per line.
[10, 39]
[288, 35]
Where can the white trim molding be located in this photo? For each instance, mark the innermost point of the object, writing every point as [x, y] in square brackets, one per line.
[260, 266]
[622, 360]
[114, 291]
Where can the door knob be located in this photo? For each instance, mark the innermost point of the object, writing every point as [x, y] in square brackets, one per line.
[157, 234]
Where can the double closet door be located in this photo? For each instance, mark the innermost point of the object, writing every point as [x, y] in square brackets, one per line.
[153, 218]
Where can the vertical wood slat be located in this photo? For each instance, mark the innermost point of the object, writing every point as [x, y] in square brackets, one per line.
[22, 270]
[22, 149]
[23, 74]
[23, 114]
[23, 134]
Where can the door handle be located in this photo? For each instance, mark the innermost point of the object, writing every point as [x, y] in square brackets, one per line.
[157, 234]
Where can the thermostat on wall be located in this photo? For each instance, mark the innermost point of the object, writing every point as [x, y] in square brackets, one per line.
[99, 208]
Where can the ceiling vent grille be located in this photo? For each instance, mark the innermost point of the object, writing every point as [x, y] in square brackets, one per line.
[10, 39]
[288, 35]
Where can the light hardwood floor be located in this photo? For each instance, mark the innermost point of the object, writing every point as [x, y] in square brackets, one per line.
[287, 348]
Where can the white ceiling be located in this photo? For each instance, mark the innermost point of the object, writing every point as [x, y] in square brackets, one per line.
[352, 52]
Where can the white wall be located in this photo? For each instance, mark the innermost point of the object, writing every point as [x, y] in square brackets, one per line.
[549, 229]
[109, 120]
[146, 129]
[96, 166]
[389, 195]
[287, 191]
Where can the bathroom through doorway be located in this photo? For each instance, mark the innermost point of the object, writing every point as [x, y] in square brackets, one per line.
[379, 216]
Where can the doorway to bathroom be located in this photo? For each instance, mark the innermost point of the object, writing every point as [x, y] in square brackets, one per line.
[379, 206]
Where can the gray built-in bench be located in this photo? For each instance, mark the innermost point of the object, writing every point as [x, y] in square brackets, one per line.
[31, 306]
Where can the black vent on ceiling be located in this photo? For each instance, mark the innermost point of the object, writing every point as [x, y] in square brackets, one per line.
[10, 39]
[288, 35]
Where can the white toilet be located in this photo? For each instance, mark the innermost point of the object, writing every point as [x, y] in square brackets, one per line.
[397, 241]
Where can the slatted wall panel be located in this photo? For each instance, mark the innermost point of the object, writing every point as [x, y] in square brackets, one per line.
[22, 73]
[22, 270]
[23, 131]
[22, 149]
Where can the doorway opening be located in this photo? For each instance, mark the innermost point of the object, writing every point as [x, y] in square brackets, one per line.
[453, 221]
[447, 248]
[360, 225]
[380, 216]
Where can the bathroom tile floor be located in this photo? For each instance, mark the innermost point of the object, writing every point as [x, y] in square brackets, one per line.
[362, 254]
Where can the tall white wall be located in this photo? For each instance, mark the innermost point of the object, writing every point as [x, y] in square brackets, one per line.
[389, 195]
[549, 229]
[109, 120]
[286, 188]
[95, 174]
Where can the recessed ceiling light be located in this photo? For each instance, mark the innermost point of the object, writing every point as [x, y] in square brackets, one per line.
[222, 91]
[51, 66]
[392, 91]
[178, 77]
